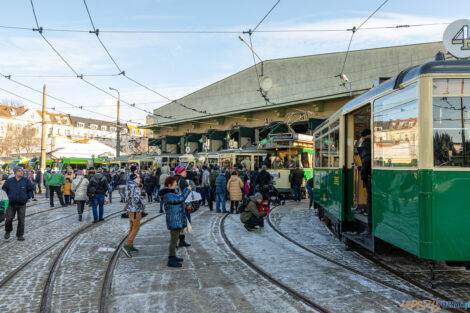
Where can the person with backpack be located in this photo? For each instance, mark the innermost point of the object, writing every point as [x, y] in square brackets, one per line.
[234, 187]
[79, 189]
[96, 191]
[135, 206]
[251, 215]
[176, 218]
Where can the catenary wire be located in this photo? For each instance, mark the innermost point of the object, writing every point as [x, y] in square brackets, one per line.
[40, 30]
[267, 14]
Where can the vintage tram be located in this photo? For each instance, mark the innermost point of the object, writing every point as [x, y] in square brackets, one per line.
[420, 123]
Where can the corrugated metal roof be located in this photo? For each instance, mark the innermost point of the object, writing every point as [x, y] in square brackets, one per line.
[299, 78]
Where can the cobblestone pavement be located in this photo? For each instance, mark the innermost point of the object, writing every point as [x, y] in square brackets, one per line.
[212, 279]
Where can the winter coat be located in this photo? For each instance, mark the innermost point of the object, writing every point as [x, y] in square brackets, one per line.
[18, 191]
[56, 179]
[297, 177]
[122, 179]
[263, 178]
[98, 185]
[80, 191]
[174, 207]
[205, 178]
[221, 184]
[163, 176]
[251, 210]
[310, 183]
[149, 183]
[364, 154]
[3, 198]
[68, 184]
[234, 187]
[212, 178]
[134, 200]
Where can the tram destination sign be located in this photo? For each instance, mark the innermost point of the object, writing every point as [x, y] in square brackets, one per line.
[457, 39]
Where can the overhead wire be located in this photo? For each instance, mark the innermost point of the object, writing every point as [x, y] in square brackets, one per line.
[354, 30]
[40, 30]
[124, 31]
[123, 73]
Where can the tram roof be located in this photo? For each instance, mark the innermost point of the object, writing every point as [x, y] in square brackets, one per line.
[434, 67]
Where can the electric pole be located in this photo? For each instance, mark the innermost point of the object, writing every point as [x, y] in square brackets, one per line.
[43, 131]
[118, 124]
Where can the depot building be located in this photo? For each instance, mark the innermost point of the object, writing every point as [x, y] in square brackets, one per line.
[275, 96]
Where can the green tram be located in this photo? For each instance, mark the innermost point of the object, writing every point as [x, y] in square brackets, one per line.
[81, 163]
[420, 142]
[286, 151]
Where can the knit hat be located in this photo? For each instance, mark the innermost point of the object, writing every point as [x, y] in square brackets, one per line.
[365, 132]
[179, 169]
[258, 196]
[17, 168]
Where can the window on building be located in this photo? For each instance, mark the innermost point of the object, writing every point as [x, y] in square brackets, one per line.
[396, 129]
[65, 120]
[133, 131]
[67, 132]
[80, 124]
[451, 117]
[93, 126]
[112, 129]
[104, 128]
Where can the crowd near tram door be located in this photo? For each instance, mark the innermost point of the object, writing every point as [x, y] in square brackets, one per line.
[359, 169]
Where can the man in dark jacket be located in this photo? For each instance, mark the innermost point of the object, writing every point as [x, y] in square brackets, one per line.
[252, 217]
[364, 149]
[263, 178]
[296, 180]
[19, 190]
[220, 191]
[97, 189]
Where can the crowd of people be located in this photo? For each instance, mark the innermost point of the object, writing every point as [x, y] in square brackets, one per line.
[247, 191]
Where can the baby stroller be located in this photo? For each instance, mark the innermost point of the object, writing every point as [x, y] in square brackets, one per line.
[271, 196]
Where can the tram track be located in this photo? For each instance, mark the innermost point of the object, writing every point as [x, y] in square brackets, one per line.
[267, 276]
[46, 297]
[377, 262]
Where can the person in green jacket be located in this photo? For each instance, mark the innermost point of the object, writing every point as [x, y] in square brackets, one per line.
[252, 217]
[55, 182]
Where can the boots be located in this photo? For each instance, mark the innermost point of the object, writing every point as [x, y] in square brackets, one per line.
[172, 262]
[182, 242]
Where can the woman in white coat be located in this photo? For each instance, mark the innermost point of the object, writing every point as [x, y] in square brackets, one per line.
[79, 188]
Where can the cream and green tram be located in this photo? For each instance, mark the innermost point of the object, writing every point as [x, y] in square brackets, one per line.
[241, 158]
[420, 150]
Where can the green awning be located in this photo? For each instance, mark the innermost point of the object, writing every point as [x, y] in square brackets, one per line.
[247, 132]
[217, 135]
[193, 137]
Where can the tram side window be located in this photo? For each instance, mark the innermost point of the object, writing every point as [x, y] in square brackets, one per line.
[321, 149]
[451, 131]
[396, 130]
[333, 147]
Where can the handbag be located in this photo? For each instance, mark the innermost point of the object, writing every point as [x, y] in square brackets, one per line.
[187, 229]
[72, 192]
[192, 204]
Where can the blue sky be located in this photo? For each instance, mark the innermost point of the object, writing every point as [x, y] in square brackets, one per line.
[177, 64]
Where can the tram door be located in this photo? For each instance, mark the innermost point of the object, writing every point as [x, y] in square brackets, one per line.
[357, 196]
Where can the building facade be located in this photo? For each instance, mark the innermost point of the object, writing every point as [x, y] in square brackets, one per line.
[277, 96]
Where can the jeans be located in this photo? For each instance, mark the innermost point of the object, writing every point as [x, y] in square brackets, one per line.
[205, 195]
[55, 189]
[13, 209]
[110, 196]
[310, 194]
[156, 190]
[297, 193]
[67, 199]
[220, 198]
[122, 192]
[255, 221]
[97, 200]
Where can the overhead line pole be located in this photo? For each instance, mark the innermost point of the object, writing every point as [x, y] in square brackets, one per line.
[43, 131]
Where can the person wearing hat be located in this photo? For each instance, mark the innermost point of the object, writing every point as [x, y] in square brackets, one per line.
[19, 190]
[252, 216]
[364, 150]
[135, 206]
[79, 188]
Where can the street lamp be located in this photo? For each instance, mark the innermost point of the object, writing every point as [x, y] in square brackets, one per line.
[118, 128]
